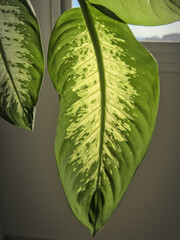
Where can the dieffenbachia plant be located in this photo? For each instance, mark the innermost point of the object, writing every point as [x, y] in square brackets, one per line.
[21, 62]
[108, 86]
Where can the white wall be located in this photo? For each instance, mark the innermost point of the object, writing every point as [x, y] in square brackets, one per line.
[34, 203]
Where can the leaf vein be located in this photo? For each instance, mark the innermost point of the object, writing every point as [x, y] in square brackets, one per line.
[117, 130]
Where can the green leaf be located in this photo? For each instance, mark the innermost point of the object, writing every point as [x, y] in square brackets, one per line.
[21, 62]
[109, 90]
[143, 12]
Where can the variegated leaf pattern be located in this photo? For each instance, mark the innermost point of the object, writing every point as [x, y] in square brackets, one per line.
[21, 62]
[108, 87]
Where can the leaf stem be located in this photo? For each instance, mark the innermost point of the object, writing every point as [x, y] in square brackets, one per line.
[90, 22]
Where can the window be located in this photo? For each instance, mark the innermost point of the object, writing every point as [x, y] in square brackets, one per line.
[164, 33]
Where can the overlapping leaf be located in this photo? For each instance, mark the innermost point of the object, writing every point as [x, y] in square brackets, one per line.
[146, 12]
[108, 87]
[21, 62]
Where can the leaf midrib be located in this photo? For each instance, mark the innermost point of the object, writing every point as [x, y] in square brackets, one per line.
[6, 64]
[100, 64]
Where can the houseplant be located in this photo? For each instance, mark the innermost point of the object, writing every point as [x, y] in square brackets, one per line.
[130, 126]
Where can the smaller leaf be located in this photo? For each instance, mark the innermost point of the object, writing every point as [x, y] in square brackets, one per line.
[21, 62]
[146, 12]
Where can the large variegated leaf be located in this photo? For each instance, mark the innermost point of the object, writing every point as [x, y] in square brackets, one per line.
[143, 12]
[21, 62]
[108, 87]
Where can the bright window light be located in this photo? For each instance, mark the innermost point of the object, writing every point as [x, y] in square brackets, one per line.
[75, 3]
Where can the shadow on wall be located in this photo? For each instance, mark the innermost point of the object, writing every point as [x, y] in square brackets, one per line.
[1, 228]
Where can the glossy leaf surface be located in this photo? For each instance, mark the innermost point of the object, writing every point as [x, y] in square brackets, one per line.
[21, 62]
[143, 12]
[109, 90]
